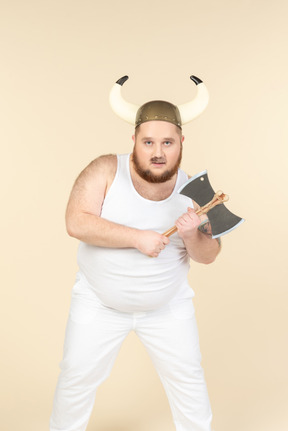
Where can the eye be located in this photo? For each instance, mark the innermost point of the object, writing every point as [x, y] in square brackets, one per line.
[148, 143]
[167, 143]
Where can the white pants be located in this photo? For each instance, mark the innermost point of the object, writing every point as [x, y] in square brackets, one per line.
[93, 338]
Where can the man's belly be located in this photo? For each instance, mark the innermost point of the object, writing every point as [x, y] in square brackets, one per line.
[128, 281]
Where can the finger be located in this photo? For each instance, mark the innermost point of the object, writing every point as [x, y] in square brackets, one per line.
[186, 218]
[165, 240]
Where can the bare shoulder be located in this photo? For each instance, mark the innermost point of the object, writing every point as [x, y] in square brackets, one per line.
[106, 165]
[107, 161]
[92, 184]
[102, 169]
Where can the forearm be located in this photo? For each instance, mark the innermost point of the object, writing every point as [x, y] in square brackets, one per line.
[197, 237]
[201, 247]
[100, 232]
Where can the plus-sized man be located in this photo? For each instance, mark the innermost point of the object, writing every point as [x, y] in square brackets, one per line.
[132, 277]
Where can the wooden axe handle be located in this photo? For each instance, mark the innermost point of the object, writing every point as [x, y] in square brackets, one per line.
[218, 199]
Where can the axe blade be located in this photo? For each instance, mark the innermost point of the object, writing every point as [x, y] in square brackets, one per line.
[199, 189]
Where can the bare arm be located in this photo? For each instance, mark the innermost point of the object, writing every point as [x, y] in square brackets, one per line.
[83, 214]
[197, 236]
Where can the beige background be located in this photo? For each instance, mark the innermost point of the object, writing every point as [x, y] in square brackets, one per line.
[58, 61]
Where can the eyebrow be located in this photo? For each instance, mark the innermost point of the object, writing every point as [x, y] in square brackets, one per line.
[148, 138]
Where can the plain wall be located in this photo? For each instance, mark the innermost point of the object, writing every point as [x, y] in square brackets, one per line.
[59, 60]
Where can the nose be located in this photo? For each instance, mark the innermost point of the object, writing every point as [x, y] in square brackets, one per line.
[158, 150]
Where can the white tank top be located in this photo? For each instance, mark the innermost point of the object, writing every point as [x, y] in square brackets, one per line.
[125, 279]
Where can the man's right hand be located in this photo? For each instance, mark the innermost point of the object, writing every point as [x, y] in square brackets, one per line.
[151, 243]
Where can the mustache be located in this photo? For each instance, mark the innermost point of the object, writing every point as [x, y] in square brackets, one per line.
[158, 160]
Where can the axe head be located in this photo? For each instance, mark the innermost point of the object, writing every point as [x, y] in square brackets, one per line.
[221, 219]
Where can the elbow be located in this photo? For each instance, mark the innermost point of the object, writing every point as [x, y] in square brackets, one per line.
[74, 223]
[211, 257]
[209, 260]
[71, 231]
[203, 259]
[71, 227]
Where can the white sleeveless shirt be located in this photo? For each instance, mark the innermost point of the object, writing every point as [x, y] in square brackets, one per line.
[125, 279]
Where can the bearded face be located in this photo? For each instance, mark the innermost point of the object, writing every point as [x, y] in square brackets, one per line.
[157, 151]
[153, 176]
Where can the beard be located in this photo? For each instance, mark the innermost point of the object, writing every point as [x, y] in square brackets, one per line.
[148, 176]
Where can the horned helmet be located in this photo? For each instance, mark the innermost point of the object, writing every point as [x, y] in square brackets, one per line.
[159, 109]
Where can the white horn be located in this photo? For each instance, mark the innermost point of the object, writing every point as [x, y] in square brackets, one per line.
[191, 110]
[125, 110]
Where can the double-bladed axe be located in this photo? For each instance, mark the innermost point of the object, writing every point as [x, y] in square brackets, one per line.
[199, 189]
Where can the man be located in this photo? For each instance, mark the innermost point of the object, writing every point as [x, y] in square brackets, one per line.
[132, 277]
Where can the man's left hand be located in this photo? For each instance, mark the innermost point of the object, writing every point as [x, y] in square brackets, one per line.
[188, 223]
